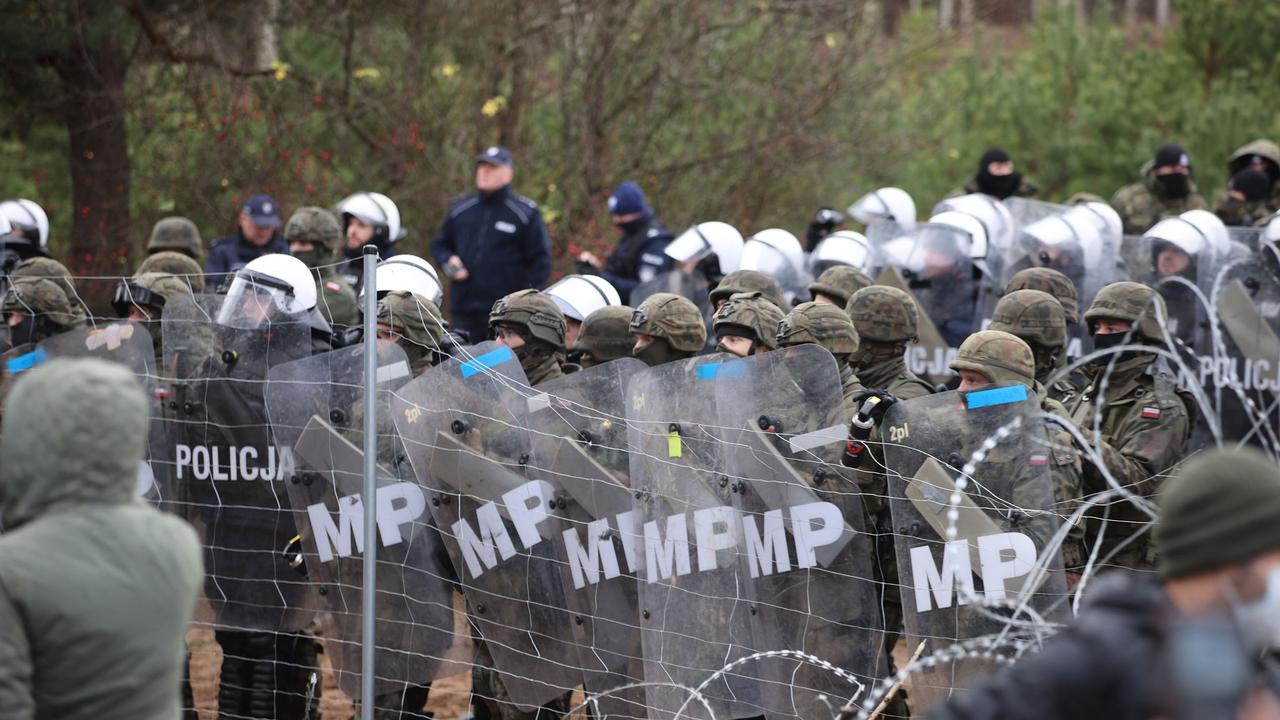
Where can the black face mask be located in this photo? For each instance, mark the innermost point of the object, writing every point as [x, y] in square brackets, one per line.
[314, 257]
[1001, 186]
[656, 353]
[1175, 185]
[1113, 340]
[23, 333]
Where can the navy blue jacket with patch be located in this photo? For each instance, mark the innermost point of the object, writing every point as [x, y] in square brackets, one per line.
[502, 242]
[234, 252]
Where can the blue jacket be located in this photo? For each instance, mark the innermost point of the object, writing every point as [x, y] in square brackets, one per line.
[638, 257]
[234, 252]
[501, 241]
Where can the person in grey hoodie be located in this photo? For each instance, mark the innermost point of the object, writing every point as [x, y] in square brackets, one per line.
[96, 587]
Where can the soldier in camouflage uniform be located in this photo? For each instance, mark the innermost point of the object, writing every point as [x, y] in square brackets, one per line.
[885, 319]
[666, 327]
[1144, 418]
[741, 281]
[1037, 319]
[416, 325]
[604, 336]
[314, 237]
[1262, 155]
[1168, 188]
[828, 326]
[36, 308]
[141, 299]
[1246, 201]
[176, 234]
[997, 357]
[49, 268]
[175, 263]
[746, 324]
[837, 284]
[531, 324]
[1053, 282]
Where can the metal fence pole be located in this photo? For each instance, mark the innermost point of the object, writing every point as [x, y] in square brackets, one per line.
[368, 608]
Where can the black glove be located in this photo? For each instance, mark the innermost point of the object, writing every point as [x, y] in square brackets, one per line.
[872, 405]
[824, 222]
[873, 412]
[585, 268]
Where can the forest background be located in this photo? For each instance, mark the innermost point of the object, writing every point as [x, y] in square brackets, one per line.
[119, 112]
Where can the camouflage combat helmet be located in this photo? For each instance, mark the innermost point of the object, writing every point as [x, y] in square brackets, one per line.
[883, 314]
[1266, 149]
[1034, 316]
[44, 267]
[314, 225]
[40, 297]
[749, 315]
[741, 281]
[151, 289]
[605, 334]
[177, 264]
[178, 234]
[419, 322]
[839, 282]
[998, 356]
[1134, 303]
[534, 311]
[672, 317]
[1050, 281]
[820, 324]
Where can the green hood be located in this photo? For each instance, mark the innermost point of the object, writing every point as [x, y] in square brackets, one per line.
[73, 435]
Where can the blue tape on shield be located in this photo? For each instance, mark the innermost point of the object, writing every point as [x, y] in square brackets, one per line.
[729, 369]
[26, 362]
[487, 361]
[995, 396]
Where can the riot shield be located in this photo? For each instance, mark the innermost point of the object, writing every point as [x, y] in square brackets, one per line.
[977, 554]
[934, 261]
[808, 579]
[316, 408]
[1083, 243]
[465, 427]
[1026, 211]
[1241, 376]
[579, 431]
[692, 286]
[687, 546]
[217, 458]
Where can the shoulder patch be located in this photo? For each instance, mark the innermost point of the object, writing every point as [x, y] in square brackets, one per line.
[332, 286]
[653, 232]
[527, 201]
[1151, 412]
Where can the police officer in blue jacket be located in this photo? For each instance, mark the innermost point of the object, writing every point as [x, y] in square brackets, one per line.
[257, 234]
[638, 256]
[492, 243]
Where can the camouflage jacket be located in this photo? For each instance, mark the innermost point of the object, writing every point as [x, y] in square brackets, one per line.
[1145, 423]
[335, 299]
[1142, 205]
[545, 371]
[1244, 214]
[893, 376]
[849, 386]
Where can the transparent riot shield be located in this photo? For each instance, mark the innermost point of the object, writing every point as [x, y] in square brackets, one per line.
[692, 286]
[217, 459]
[1026, 211]
[579, 431]
[1083, 243]
[934, 261]
[316, 406]
[465, 427]
[978, 559]
[808, 579]
[687, 545]
[1241, 375]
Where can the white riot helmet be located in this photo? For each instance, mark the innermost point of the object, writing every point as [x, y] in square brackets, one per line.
[270, 288]
[375, 209]
[1073, 241]
[978, 243]
[1271, 233]
[28, 217]
[578, 296]
[706, 239]
[841, 248]
[997, 221]
[888, 204]
[408, 273]
[1194, 232]
[774, 252]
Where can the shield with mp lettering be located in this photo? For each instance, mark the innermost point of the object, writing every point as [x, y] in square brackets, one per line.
[976, 523]
[465, 428]
[317, 409]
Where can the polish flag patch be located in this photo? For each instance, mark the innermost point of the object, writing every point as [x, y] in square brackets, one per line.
[332, 286]
[1038, 459]
[1151, 413]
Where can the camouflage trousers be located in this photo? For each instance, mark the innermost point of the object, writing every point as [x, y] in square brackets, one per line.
[489, 698]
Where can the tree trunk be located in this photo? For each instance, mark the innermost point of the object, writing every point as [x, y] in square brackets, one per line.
[93, 109]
